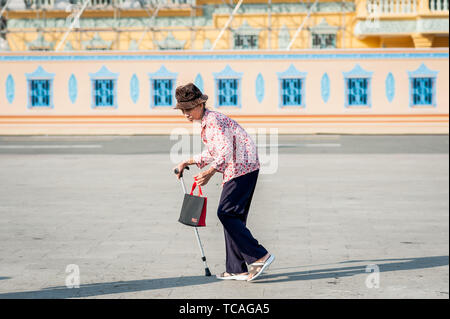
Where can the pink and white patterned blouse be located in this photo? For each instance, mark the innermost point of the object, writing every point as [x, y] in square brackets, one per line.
[229, 148]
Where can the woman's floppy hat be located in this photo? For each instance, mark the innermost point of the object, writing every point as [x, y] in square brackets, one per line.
[189, 96]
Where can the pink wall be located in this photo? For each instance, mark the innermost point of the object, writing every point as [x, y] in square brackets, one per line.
[139, 118]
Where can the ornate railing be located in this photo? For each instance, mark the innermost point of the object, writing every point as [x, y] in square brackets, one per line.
[103, 3]
[438, 5]
[383, 7]
[98, 4]
[39, 4]
[388, 8]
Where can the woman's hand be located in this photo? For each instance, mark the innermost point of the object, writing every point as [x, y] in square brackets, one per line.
[180, 168]
[204, 177]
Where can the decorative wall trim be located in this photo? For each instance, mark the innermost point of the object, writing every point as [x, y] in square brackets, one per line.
[96, 43]
[325, 87]
[165, 74]
[291, 73]
[40, 43]
[73, 88]
[245, 30]
[199, 82]
[103, 74]
[412, 116]
[207, 45]
[422, 72]
[358, 72]
[133, 46]
[134, 88]
[10, 88]
[203, 57]
[323, 27]
[40, 74]
[284, 37]
[170, 43]
[398, 26]
[259, 87]
[390, 87]
[228, 73]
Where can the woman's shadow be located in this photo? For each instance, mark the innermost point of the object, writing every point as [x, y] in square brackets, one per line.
[106, 288]
[117, 287]
[384, 265]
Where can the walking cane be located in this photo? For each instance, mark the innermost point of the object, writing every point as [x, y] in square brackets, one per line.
[207, 272]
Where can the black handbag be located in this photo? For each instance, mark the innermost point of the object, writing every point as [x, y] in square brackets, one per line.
[193, 211]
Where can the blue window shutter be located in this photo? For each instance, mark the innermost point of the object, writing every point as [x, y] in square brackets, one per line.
[104, 92]
[357, 91]
[227, 92]
[40, 92]
[169, 93]
[234, 92]
[422, 91]
[292, 90]
[163, 91]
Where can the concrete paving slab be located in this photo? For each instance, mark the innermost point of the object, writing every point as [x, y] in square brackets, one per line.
[324, 217]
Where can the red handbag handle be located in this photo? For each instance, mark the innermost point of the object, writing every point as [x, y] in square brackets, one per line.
[199, 188]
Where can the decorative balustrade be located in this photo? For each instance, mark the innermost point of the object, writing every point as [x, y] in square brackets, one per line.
[153, 3]
[99, 4]
[372, 7]
[383, 7]
[168, 2]
[103, 3]
[39, 4]
[438, 5]
[405, 7]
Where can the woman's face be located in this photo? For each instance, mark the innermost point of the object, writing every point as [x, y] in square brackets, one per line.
[194, 114]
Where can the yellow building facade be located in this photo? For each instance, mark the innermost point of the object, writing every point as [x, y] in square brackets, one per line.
[302, 67]
[133, 25]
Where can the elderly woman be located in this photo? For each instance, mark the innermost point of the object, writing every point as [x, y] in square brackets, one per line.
[231, 152]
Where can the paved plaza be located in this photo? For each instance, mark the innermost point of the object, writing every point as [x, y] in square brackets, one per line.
[345, 217]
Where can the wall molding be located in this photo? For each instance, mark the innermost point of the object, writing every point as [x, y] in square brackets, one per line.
[172, 56]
